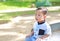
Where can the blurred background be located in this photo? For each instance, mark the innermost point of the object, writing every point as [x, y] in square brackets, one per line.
[27, 3]
[17, 18]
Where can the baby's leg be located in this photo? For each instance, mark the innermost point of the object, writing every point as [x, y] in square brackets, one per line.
[28, 39]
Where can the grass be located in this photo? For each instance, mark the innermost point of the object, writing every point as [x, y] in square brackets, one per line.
[13, 5]
[23, 4]
[18, 4]
[8, 16]
[3, 6]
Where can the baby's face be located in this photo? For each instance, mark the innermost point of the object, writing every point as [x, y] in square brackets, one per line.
[39, 16]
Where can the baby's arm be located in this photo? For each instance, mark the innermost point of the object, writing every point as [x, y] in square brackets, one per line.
[32, 32]
[45, 36]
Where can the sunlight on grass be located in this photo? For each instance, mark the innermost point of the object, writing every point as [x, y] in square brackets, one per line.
[13, 5]
[10, 15]
[2, 14]
[4, 6]
[4, 17]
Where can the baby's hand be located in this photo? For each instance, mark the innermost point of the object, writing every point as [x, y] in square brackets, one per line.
[28, 35]
[38, 39]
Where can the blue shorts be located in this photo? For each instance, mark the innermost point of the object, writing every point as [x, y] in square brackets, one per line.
[30, 39]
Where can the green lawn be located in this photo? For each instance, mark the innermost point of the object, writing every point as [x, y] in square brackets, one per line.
[23, 4]
[8, 16]
[13, 5]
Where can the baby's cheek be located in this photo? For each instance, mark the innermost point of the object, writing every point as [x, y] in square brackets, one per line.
[39, 18]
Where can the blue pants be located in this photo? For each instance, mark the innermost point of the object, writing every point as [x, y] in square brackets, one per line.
[30, 38]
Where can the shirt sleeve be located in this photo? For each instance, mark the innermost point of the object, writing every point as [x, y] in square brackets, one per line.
[48, 30]
[34, 26]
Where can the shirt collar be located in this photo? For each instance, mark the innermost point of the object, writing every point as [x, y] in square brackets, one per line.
[41, 22]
